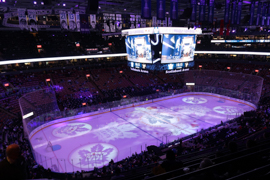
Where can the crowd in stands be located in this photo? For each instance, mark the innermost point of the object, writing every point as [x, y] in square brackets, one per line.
[186, 158]
[24, 44]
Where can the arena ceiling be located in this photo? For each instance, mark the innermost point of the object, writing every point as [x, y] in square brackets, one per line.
[116, 6]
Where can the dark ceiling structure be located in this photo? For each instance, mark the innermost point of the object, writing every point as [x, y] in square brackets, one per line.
[115, 6]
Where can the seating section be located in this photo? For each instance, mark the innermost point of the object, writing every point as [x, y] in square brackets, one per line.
[242, 139]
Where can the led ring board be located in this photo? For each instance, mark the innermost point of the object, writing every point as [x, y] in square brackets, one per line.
[161, 48]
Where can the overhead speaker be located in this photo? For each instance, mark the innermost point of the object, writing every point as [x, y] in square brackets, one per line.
[92, 7]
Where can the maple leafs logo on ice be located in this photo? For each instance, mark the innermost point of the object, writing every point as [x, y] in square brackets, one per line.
[96, 155]
[114, 130]
[72, 129]
[93, 155]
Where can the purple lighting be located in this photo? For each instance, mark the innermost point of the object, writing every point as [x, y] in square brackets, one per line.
[35, 2]
[3, 0]
[42, 3]
[246, 2]
[64, 4]
[76, 5]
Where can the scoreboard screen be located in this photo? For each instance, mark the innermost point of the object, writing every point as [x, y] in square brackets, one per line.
[178, 48]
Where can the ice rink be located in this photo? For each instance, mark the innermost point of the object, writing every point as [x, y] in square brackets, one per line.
[91, 140]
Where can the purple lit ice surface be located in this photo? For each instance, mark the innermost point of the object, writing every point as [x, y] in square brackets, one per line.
[92, 140]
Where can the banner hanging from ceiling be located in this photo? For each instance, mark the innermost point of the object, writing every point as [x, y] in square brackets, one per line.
[160, 9]
[112, 22]
[154, 21]
[233, 13]
[132, 21]
[63, 19]
[138, 21]
[146, 9]
[211, 7]
[71, 21]
[93, 20]
[193, 5]
[227, 11]
[268, 15]
[32, 19]
[252, 9]
[118, 21]
[263, 20]
[174, 10]
[169, 22]
[258, 13]
[78, 22]
[22, 18]
[239, 12]
[202, 11]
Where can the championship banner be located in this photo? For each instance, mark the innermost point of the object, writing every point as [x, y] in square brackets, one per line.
[264, 14]
[233, 14]
[78, 22]
[239, 10]
[258, 13]
[169, 22]
[63, 20]
[211, 11]
[132, 21]
[193, 5]
[84, 24]
[138, 21]
[32, 19]
[160, 9]
[154, 21]
[71, 21]
[268, 15]
[227, 11]
[228, 28]
[174, 10]
[202, 11]
[165, 22]
[112, 22]
[146, 9]
[106, 20]
[252, 9]
[118, 21]
[93, 20]
[143, 23]
[22, 18]
[158, 23]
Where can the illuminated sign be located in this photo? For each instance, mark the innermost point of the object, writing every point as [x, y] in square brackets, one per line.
[28, 115]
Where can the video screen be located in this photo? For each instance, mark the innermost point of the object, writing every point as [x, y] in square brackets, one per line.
[178, 48]
[139, 48]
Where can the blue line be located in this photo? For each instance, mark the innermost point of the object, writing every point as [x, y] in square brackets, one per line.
[136, 126]
[186, 115]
